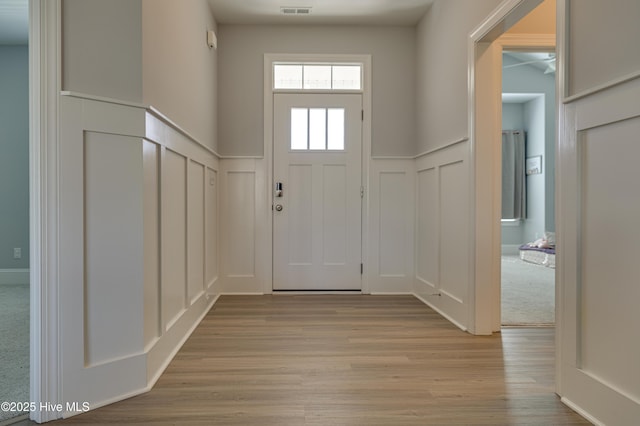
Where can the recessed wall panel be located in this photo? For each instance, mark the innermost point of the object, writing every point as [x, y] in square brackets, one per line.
[152, 325]
[211, 226]
[196, 230]
[113, 247]
[609, 283]
[427, 234]
[174, 236]
[454, 238]
[393, 199]
[240, 199]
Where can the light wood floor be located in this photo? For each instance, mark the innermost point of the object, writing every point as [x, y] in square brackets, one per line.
[346, 360]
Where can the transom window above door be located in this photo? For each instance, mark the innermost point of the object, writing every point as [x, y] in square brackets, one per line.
[317, 129]
[338, 77]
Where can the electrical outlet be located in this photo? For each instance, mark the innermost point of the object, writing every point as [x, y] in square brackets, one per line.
[17, 253]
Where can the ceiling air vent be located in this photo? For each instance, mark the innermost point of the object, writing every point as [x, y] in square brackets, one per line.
[295, 10]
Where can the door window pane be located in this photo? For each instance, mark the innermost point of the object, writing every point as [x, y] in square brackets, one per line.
[299, 128]
[318, 128]
[335, 129]
[317, 76]
[346, 77]
[287, 76]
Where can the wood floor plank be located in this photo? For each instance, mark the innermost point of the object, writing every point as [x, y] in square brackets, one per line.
[346, 360]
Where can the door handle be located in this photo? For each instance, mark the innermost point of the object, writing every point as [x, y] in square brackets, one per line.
[279, 207]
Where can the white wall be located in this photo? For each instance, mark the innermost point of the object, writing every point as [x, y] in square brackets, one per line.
[179, 71]
[241, 59]
[14, 156]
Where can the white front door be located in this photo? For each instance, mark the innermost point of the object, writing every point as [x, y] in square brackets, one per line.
[317, 198]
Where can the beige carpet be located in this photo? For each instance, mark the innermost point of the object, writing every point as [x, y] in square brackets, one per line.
[528, 293]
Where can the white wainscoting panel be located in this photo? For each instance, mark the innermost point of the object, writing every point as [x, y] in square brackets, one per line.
[442, 218]
[113, 246]
[245, 211]
[139, 218]
[609, 279]
[195, 226]
[454, 213]
[427, 233]
[598, 281]
[151, 167]
[124, 373]
[389, 257]
[174, 236]
[394, 190]
[240, 204]
[211, 260]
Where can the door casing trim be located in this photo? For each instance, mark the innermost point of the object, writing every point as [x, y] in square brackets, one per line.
[44, 85]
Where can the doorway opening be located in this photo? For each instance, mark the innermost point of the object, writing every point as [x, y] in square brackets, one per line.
[14, 211]
[521, 25]
[330, 93]
[528, 179]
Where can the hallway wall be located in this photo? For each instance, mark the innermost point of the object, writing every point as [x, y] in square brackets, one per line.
[443, 167]
[102, 48]
[179, 70]
[151, 52]
[598, 200]
[242, 50]
[441, 86]
[138, 192]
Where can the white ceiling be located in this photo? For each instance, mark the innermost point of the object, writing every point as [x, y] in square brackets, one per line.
[14, 14]
[325, 12]
[14, 21]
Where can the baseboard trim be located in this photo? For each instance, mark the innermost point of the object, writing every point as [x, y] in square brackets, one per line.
[510, 249]
[454, 322]
[580, 411]
[14, 276]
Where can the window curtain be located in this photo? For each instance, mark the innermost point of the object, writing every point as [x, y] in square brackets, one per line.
[514, 185]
